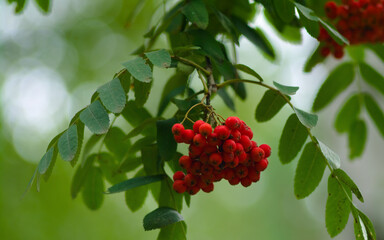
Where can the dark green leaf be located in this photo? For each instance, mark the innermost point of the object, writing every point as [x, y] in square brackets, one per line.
[197, 13]
[372, 77]
[312, 61]
[340, 39]
[226, 98]
[142, 90]
[292, 139]
[135, 197]
[116, 143]
[161, 217]
[92, 141]
[150, 159]
[227, 25]
[81, 174]
[165, 140]
[174, 231]
[113, 96]
[256, 36]
[135, 115]
[344, 178]
[109, 164]
[307, 119]
[378, 49]
[139, 144]
[357, 137]
[337, 81]
[331, 156]
[150, 122]
[348, 114]
[68, 144]
[269, 106]
[43, 4]
[248, 70]
[368, 225]
[209, 45]
[45, 161]
[128, 164]
[288, 90]
[307, 12]
[285, 10]
[139, 70]
[168, 197]
[95, 117]
[337, 208]
[160, 58]
[312, 27]
[309, 171]
[134, 182]
[93, 189]
[375, 112]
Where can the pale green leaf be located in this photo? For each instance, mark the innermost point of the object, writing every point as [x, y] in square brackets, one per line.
[331, 156]
[288, 90]
[248, 70]
[307, 119]
[68, 144]
[113, 96]
[160, 58]
[139, 69]
[45, 161]
[95, 117]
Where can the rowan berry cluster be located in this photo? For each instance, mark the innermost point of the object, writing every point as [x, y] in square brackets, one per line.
[360, 21]
[225, 152]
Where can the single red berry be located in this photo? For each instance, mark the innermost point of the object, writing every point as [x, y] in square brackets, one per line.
[210, 149]
[228, 157]
[241, 171]
[228, 173]
[177, 129]
[178, 138]
[205, 180]
[222, 132]
[331, 9]
[234, 162]
[199, 141]
[179, 186]
[205, 129]
[257, 154]
[262, 165]
[234, 181]
[338, 53]
[206, 169]
[232, 122]
[193, 190]
[196, 168]
[215, 159]
[229, 146]
[204, 157]
[254, 144]
[239, 149]
[194, 151]
[209, 188]
[190, 180]
[246, 182]
[325, 51]
[185, 162]
[253, 174]
[235, 135]
[243, 158]
[267, 150]
[179, 175]
[197, 125]
[246, 142]
[187, 135]
[213, 139]
[217, 175]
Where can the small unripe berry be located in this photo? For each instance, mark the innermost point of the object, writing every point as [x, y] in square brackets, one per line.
[187, 135]
[222, 132]
[197, 125]
[262, 165]
[179, 186]
[179, 175]
[229, 146]
[257, 154]
[215, 159]
[267, 150]
[232, 122]
[246, 182]
[177, 129]
[185, 162]
[205, 129]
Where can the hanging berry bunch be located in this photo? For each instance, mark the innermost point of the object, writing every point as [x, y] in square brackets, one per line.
[225, 152]
[359, 21]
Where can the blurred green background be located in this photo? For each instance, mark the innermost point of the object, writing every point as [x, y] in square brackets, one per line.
[51, 64]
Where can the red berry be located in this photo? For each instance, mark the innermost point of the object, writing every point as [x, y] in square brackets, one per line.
[267, 150]
[253, 174]
[204, 157]
[185, 162]
[178, 138]
[206, 169]
[243, 158]
[241, 171]
[196, 168]
[205, 129]
[190, 180]
[210, 149]
[177, 129]
[254, 144]
[325, 51]
[215, 159]
[222, 132]
[213, 139]
[239, 149]
[257, 154]
[199, 141]
[228, 173]
[246, 142]
[229, 146]
[228, 157]
[187, 135]
[246, 182]
[197, 125]
[209, 188]
[232, 122]
[234, 162]
[331, 9]
[179, 175]
[179, 186]
[193, 190]
[194, 151]
[234, 181]
[262, 165]
[235, 135]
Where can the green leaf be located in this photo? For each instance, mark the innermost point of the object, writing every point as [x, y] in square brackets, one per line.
[209, 45]
[139, 69]
[307, 12]
[331, 156]
[197, 13]
[93, 189]
[223, 94]
[340, 39]
[95, 117]
[337, 207]
[344, 178]
[139, 144]
[348, 114]
[285, 10]
[135, 197]
[116, 143]
[45, 161]
[312, 27]
[125, 80]
[135, 182]
[227, 25]
[150, 159]
[161, 217]
[248, 70]
[358, 225]
[368, 226]
[312, 61]
[92, 141]
[357, 138]
[68, 144]
[109, 164]
[19, 5]
[288, 90]
[80, 138]
[256, 36]
[160, 58]
[147, 123]
[292, 139]
[372, 77]
[113, 96]
[337, 81]
[309, 171]
[168, 97]
[173, 231]
[307, 119]
[269, 106]
[375, 112]
[135, 115]
[165, 140]
[142, 90]
[48, 172]
[81, 174]
[43, 4]
[128, 164]
[356, 52]
[378, 49]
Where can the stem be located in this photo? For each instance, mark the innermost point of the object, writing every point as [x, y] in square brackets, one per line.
[211, 88]
[191, 63]
[206, 91]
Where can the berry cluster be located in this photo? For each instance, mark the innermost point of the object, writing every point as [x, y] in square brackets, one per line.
[227, 153]
[360, 21]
